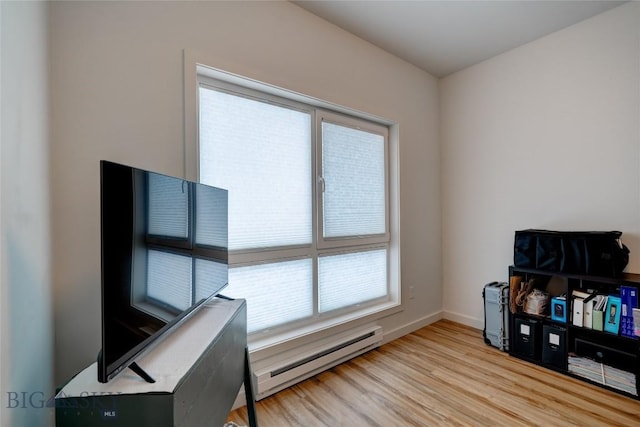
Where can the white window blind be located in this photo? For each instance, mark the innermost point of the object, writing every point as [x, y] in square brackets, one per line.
[348, 279]
[276, 293]
[261, 153]
[297, 252]
[353, 170]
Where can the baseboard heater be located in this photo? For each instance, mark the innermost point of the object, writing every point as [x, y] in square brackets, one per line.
[280, 376]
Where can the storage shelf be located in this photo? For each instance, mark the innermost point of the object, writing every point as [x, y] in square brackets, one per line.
[549, 343]
[603, 334]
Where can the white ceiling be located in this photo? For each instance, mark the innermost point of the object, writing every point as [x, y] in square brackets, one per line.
[443, 37]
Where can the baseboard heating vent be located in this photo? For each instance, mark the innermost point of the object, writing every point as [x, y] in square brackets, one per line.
[285, 374]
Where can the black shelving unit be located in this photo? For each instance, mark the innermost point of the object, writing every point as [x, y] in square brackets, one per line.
[563, 347]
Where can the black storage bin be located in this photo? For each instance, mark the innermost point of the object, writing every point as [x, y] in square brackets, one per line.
[526, 338]
[554, 346]
[539, 249]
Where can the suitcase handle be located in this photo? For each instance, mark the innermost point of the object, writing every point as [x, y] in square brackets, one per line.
[489, 284]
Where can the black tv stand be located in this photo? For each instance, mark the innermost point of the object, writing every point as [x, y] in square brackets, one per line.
[141, 373]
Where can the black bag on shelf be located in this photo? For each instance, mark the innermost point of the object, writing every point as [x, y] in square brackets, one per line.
[549, 252]
[524, 250]
[595, 253]
[605, 256]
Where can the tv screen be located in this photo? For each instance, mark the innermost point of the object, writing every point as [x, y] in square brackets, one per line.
[164, 253]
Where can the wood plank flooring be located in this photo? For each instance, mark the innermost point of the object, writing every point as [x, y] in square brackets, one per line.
[442, 375]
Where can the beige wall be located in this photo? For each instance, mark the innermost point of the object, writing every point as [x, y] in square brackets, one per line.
[116, 73]
[544, 136]
[26, 337]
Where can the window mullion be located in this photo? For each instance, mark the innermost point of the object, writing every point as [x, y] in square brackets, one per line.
[316, 201]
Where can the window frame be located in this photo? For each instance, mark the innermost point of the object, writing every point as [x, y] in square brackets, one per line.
[245, 257]
[196, 66]
[359, 124]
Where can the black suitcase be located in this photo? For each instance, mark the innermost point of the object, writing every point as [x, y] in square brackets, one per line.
[496, 315]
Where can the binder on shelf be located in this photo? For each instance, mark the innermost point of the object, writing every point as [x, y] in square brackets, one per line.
[588, 311]
[612, 315]
[598, 317]
[629, 301]
[599, 307]
[578, 311]
[578, 298]
[636, 321]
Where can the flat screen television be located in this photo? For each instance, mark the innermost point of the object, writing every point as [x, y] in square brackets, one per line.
[164, 254]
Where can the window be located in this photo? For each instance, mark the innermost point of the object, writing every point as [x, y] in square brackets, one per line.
[309, 211]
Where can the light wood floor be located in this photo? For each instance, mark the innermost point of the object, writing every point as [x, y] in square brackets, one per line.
[442, 375]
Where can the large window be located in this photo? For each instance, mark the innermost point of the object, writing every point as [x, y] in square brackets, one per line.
[309, 227]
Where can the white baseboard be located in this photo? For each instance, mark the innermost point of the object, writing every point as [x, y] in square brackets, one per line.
[393, 334]
[390, 335]
[464, 319]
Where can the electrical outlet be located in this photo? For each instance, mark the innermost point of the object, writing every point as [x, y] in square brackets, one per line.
[411, 293]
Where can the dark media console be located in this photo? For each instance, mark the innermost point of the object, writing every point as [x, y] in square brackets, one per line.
[572, 337]
[198, 371]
